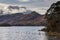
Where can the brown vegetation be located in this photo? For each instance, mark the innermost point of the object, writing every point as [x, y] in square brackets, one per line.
[53, 17]
[20, 19]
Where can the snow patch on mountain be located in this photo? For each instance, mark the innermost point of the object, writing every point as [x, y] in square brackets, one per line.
[11, 9]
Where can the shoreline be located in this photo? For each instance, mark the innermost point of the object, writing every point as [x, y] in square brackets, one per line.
[54, 34]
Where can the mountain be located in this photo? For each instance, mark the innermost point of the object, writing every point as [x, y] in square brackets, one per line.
[53, 17]
[20, 19]
[14, 9]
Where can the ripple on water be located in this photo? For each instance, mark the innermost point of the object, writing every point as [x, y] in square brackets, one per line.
[22, 33]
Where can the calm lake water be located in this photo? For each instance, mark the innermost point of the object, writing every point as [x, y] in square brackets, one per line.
[22, 33]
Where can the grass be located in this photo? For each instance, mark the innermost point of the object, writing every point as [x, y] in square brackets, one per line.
[53, 34]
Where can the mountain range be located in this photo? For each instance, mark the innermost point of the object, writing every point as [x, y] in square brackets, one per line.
[11, 9]
[13, 15]
[20, 19]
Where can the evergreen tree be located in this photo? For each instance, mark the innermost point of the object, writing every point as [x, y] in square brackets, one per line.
[53, 17]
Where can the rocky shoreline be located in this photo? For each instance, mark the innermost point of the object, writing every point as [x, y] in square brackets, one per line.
[53, 38]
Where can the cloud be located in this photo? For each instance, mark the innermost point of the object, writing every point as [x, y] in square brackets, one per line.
[31, 3]
[24, 0]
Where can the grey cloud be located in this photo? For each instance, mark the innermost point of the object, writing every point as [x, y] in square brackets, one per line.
[31, 2]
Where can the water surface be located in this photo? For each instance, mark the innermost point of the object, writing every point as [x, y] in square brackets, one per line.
[22, 33]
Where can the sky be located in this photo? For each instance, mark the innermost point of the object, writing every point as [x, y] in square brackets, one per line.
[36, 3]
[32, 4]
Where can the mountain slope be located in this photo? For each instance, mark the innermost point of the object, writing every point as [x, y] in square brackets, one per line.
[20, 19]
[53, 17]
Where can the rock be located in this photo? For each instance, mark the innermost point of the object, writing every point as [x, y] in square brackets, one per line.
[53, 17]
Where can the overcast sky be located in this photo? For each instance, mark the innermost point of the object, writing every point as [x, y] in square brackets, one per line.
[35, 3]
[31, 3]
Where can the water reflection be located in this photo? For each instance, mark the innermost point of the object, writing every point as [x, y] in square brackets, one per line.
[22, 33]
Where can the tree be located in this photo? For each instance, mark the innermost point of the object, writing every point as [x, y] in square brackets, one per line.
[53, 17]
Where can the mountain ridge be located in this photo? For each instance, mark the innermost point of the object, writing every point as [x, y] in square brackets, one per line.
[19, 19]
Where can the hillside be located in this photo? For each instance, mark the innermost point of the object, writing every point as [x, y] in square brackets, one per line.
[20, 19]
[53, 17]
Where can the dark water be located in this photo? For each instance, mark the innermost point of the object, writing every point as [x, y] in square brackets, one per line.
[22, 33]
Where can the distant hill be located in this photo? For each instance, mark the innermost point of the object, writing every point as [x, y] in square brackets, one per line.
[20, 19]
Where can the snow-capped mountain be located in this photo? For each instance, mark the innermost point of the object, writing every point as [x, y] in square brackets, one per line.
[8, 9]
[12, 9]
[20, 16]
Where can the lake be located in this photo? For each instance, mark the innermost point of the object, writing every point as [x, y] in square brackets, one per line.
[22, 33]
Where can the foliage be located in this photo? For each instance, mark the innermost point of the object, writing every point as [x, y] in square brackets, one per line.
[53, 17]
